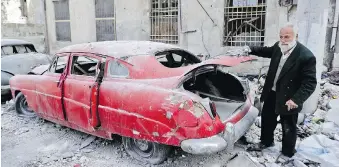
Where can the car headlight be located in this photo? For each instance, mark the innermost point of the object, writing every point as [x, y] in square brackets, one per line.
[5, 78]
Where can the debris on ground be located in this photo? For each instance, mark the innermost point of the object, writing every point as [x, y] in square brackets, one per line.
[320, 149]
[242, 160]
[88, 141]
[333, 77]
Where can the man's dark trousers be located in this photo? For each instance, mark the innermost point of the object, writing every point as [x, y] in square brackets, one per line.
[269, 123]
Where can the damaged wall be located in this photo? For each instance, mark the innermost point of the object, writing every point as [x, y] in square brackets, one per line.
[132, 20]
[15, 24]
[208, 36]
[312, 20]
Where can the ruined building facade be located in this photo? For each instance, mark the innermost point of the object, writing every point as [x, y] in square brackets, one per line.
[203, 27]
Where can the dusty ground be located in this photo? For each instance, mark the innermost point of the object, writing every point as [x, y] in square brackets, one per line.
[35, 142]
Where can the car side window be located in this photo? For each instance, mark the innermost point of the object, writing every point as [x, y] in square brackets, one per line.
[21, 49]
[84, 65]
[58, 65]
[116, 69]
[8, 50]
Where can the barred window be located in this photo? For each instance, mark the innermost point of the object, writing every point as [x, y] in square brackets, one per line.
[244, 22]
[164, 21]
[62, 20]
[105, 20]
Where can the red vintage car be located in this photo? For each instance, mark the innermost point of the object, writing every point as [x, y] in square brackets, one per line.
[156, 96]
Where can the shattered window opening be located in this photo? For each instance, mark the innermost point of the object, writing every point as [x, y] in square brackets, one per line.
[58, 65]
[116, 69]
[164, 21]
[84, 65]
[62, 20]
[105, 20]
[244, 22]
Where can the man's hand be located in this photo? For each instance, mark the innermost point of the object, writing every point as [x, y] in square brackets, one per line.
[291, 105]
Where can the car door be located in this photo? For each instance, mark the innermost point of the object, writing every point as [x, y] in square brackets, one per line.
[80, 90]
[49, 89]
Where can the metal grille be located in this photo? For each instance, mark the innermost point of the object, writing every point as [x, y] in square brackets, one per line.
[62, 20]
[164, 21]
[105, 20]
[244, 22]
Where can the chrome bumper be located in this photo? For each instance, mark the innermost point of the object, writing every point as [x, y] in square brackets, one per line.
[224, 140]
[5, 90]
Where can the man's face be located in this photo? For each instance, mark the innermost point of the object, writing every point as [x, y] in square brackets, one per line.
[286, 35]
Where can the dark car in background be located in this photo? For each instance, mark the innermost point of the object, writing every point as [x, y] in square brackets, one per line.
[18, 57]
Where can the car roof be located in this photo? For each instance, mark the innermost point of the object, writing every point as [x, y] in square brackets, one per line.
[119, 49]
[9, 42]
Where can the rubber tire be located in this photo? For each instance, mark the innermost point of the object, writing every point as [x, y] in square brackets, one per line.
[18, 99]
[159, 155]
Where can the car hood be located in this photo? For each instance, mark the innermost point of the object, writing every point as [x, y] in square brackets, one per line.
[23, 63]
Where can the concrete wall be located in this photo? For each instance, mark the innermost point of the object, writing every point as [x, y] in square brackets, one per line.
[31, 28]
[312, 20]
[82, 24]
[132, 19]
[133, 23]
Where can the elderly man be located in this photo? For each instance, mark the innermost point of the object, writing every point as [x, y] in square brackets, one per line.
[290, 81]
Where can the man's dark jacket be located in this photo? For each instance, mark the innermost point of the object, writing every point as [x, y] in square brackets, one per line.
[297, 79]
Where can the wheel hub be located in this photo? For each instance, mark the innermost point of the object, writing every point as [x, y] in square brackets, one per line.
[24, 106]
[142, 144]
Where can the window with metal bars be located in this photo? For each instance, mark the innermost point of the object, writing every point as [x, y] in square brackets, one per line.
[244, 22]
[164, 21]
[105, 20]
[62, 20]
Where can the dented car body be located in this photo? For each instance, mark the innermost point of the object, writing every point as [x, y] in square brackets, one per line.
[154, 95]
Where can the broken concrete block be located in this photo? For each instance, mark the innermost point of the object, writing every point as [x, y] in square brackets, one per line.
[242, 161]
[88, 141]
[333, 104]
[333, 116]
[330, 129]
[319, 114]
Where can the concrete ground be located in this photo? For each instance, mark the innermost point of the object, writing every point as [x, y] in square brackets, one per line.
[35, 142]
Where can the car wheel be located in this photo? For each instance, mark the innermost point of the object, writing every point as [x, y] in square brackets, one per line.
[146, 151]
[22, 108]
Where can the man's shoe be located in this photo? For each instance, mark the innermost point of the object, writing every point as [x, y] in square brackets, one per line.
[289, 154]
[259, 146]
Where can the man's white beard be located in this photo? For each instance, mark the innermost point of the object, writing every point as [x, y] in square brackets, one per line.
[285, 48]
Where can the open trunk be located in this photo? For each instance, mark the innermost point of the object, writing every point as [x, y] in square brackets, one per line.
[226, 91]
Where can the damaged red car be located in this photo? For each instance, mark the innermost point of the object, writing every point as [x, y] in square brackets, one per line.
[156, 96]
